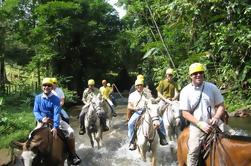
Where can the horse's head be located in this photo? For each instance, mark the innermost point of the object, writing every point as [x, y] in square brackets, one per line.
[28, 153]
[38, 142]
[176, 111]
[173, 113]
[94, 109]
[152, 109]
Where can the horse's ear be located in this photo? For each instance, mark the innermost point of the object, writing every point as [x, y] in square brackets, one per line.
[34, 146]
[17, 145]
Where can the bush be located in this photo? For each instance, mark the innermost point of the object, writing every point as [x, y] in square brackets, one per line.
[16, 120]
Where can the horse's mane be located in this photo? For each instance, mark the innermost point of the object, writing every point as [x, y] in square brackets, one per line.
[35, 131]
[238, 137]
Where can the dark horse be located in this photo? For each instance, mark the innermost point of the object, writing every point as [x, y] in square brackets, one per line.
[42, 149]
[223, 150]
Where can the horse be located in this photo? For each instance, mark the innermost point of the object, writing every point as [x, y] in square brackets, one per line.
[92, 121]
[42, 148]
[146, 132]
[225, 150]
[108, 111]
[171, 120]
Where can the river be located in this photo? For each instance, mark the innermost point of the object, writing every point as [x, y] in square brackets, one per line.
[114, 151]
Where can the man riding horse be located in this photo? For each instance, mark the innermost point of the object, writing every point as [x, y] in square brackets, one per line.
[167, 90]
[105, 92]
[136, 102]
[88, 95]
[202, 105]
[47, 110]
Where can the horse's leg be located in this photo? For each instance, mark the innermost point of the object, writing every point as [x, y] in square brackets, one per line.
[143, 151]
[154, 146]
[110, 121]
[91, 139]
[98, 138]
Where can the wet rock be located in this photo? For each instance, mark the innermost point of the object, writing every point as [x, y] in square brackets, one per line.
[242, 112]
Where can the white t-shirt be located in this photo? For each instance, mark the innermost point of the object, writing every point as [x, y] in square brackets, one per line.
[137, 99]
[58, 92]
[211, 96]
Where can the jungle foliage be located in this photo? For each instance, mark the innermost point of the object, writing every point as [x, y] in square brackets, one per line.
[176, 33]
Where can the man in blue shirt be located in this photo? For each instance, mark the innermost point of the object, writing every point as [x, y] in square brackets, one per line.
[47, 109]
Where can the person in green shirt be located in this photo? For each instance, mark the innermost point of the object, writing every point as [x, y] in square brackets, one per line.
[167, 90]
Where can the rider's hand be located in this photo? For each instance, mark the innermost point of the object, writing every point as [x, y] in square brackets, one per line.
[214, 121]
[46, 120]
[54, 133]
[168, 101]
[204, 126]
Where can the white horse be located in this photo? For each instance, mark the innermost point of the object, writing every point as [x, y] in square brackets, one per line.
[92, 121]
[171, 120]
[146, 133]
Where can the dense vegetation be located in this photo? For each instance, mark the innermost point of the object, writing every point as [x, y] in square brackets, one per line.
[75, 40]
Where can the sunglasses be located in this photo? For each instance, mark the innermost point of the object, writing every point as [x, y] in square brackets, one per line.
[49, 85]
[196, 73]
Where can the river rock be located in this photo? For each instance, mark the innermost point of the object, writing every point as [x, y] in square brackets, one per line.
[242, 112]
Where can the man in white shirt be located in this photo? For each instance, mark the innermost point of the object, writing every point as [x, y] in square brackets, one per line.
[60, 94]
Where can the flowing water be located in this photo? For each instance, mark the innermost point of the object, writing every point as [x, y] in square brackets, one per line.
[114, 151]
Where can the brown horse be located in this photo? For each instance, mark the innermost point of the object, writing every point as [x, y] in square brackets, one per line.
[224, 150]
[42, 148]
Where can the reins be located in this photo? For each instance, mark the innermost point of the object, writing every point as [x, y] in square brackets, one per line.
[213, 144]
[150, 123]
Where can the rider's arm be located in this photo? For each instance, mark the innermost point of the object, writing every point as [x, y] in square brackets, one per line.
[176, 95]
[219, 112]
[61, 102]
[56, 113]
[163, 98]
[84, 97]
[188, 116]
[200, 124]
[36, 110]
[131, 106]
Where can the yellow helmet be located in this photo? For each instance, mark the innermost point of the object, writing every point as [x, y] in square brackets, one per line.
[47, 80]
[169, 71]
[196, 67]
[140, 76]
[139, 82]
[54, 80]
[91, 82]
